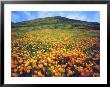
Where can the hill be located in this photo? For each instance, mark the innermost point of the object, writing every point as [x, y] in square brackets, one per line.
[57, 22]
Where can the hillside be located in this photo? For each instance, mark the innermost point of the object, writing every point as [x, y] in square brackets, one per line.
[55, 47]
[57, 22]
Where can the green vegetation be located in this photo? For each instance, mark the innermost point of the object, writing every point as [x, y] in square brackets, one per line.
[57, 23]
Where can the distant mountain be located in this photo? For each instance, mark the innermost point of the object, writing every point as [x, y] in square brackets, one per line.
[57, 22]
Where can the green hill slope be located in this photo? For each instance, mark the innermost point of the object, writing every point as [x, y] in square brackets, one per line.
[57, 22]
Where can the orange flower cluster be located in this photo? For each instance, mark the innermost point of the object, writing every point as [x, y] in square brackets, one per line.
[54, 53]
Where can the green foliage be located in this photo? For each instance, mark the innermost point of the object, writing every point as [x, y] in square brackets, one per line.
[69, 47]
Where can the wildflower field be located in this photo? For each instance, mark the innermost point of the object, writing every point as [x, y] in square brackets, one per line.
[55, 52]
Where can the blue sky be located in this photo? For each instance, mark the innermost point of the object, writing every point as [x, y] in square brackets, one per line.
[91, 16]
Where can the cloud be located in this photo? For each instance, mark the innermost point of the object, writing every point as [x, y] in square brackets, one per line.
[77, 16]
[14, 17]
[96, 17]
[29, 15]
[18, 16]
[43, 14]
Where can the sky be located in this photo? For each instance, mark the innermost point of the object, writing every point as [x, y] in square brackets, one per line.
[90, 16]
